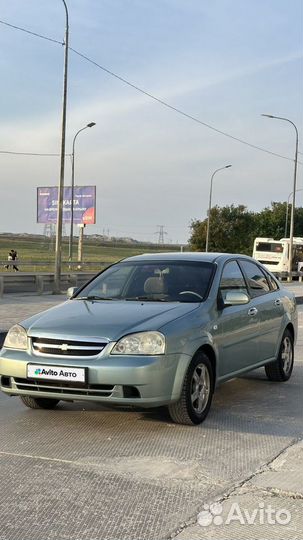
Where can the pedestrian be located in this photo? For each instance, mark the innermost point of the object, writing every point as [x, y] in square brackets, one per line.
[9, 258]
[12, 256]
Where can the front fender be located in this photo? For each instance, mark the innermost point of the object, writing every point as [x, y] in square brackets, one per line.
[192, 347]
[186, 336]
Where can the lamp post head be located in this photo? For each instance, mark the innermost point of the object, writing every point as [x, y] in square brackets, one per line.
[91, 124]
[227, 166]
[268, 115]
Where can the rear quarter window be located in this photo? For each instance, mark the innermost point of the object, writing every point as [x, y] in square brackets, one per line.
[256, 278]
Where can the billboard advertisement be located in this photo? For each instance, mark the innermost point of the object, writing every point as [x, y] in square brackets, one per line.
[84, 204]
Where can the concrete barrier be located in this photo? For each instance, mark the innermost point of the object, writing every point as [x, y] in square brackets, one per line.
[40, 282]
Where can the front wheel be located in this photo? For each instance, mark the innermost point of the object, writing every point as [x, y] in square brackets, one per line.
[280, 370]
[39, 403]
[197, 392]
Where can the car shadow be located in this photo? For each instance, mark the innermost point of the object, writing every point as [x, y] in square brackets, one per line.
[251, 404]
[247, 404]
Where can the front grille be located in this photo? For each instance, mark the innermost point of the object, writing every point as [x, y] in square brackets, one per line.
[72, 388]
[65, 347]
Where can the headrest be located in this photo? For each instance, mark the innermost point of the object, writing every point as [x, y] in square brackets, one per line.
[155, 285]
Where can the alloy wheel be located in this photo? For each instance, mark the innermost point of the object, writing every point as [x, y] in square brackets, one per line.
[200, 388]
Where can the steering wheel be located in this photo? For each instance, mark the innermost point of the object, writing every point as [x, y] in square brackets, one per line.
[192, 292]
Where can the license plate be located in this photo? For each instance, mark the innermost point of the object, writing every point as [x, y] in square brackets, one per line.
[56, 373]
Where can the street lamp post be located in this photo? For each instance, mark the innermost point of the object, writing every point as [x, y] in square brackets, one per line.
[58, 247]
[209, 206]
[291, 233]
[70, 250]
[286, 215]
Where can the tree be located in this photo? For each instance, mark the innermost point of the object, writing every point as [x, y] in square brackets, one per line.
[270, 222]
[232, 229]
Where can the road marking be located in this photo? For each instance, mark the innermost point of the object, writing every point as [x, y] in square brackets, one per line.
[39, 457]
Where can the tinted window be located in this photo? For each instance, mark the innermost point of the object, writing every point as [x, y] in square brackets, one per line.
[232, 279]
[298, 253]
[157, 281]
[256, 278]
[269, 246]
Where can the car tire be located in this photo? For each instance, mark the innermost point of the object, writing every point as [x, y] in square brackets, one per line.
[39, 403]
[281, 369]
[197, 391]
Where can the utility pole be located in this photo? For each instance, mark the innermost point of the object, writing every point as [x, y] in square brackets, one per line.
[71, 233]
[209, 205]
[58, 247]
[292, 215]
[80, 244]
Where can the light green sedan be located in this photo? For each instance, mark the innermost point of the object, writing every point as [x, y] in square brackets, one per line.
[153, 330]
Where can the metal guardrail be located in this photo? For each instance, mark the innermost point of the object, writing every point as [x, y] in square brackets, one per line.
[40, 282]
[286, 275]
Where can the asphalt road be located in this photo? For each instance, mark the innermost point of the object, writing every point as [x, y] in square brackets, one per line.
[86, 472]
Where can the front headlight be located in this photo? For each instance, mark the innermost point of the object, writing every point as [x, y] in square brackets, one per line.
[16, 338]
[145, 343]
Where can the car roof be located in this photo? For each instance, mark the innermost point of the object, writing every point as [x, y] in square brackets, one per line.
[193, 256]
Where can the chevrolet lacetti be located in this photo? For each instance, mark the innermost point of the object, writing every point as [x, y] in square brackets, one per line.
[154, 330]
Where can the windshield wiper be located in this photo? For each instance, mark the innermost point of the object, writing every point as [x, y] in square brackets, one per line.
[145, 299]
[94, 297]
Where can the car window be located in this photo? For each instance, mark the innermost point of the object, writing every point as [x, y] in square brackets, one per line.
[112, 283]
[273, 284]
[256, 279]
[167, 281]
[232, 279]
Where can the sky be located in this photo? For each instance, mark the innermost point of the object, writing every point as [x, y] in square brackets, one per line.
[225, 62]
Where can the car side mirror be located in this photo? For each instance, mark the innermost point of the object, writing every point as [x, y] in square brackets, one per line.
[235, 298]
[71, 291]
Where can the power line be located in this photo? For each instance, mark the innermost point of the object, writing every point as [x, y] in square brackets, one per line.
[31, 33]
[179, 111]
[29, 153]
[152, 96]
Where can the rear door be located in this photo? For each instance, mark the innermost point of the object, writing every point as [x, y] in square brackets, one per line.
[268, 303]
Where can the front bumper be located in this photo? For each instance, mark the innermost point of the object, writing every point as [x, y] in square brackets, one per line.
[144, 381]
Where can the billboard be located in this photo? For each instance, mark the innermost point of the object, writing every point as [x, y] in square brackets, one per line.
[84, 204]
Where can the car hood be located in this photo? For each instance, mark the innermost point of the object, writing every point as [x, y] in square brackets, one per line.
[104, 319]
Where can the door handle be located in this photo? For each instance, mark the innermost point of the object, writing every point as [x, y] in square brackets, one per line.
[252, 311]
[278, 302]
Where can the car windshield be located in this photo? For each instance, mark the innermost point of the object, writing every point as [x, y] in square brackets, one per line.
[151, 281]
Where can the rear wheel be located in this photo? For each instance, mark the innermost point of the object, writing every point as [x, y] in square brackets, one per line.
[280, 370]
[197, 391]
[39, 403]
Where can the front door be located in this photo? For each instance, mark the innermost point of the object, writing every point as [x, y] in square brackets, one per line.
[238, 326]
